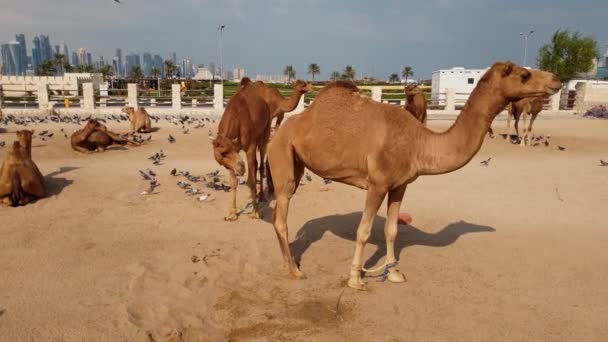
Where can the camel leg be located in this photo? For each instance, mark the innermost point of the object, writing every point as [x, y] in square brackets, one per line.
[251, 180]
[516, 124]
[372, 204]
[532, 121]
[523, 139]
[262, 170]
[395, 197]
[82, 149]
[233, 185]
[508, 121]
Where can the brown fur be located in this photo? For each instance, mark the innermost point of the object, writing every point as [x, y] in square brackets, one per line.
[279, 105]
[379, 148]
[245, 126]
[20, 179]
[95, 137]
[416, 103]
[528, 106]
[139, 118]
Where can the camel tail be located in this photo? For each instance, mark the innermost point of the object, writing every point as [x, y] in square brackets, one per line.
[17, 191]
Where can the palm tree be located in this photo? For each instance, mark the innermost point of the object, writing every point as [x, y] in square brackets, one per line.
[394, 78]
[407, 72]
[349, 73]
[335, 76]
[136, 73]
[85, 68]
[67, 67]
[46, 68]
[155, 72]
[106, 71]
[290, 72]
[59, 62]
[170, 68]
[313, 69]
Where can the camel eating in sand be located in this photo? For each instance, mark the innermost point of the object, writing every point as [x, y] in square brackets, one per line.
[245, 126]
[346, 137]
[528, 106]
[277, 104]
[416, 103]
[20, 180]
[139, 118]
[95, 137]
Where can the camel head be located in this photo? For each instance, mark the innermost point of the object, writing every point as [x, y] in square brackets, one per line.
[226, 154]
[515, 82]
[93, 124]
[302, 87]
[129, 111]
[24, 137]
[412, 89]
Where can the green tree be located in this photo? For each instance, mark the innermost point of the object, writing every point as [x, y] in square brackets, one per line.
[407, 73]
[59, 62]
[136, 73]
[85, 68]
[155, 72]
[335, 76]
[290, 72]
[394, 78]
[170, 68]
[46, 68]
[106, 71]
[568, 54]
[67, 67]
[314, 69]
[349, 73]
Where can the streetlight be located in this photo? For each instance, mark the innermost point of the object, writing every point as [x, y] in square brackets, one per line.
[221, 29]
[526, 36]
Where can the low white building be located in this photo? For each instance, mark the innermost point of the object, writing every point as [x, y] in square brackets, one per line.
[203, 74]
[460, 79]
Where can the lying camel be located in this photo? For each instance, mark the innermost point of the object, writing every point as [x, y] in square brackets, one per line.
[279, 105]
[95, 137]
[416, 103]
[20, 180]
[245, 126]
[140, 120]
[527, 106]
[346, 137]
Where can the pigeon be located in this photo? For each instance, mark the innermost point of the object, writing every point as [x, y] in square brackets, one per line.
[561, 148]
[214, 173]
[145, 175]
[186, 131]
[546, 142]
[204, 197]
[193, 191]
[151, 173]
[485, 162]
[171, 139]
[149, 138]
[242, 182]
[308, 177]
[603, 163]
[173, 172]
[504, 136]
[153, 184]
[183, 185]
[156, 162]
[2, 143]
[326, 181]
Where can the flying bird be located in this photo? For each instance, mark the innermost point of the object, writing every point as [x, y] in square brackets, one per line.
[485, 162]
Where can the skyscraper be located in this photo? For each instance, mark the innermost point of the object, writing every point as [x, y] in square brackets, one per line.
[119, 67]
[148, 63]
[74, 59]
[11, 59]
[82, 56]
[36, 53]
[20, 38]
[57, 51]
[186, 68]
[63, 49]
[46, 52]
[174, 58]
[89, 59]
[158, 63]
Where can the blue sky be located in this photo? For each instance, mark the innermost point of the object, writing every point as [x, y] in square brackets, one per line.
[378, 37]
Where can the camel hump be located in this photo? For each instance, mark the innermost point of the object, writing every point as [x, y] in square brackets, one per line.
[245, 81]
[339, 85]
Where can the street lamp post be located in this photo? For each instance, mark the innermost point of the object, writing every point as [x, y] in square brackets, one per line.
[221, 29]
[526, 36]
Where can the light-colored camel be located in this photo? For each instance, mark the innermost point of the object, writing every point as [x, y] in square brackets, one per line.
[245, 126]
[95, 137]
[279, 105]
[20, 179]
[415, 102]
[528, 106]
[139, 118]
[346, 137]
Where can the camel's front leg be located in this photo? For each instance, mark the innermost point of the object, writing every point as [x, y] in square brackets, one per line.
[251, 181]
[262, 170]
[532, 118]
[232, 211]
[524, 138]
[372, 203]
[395, 197]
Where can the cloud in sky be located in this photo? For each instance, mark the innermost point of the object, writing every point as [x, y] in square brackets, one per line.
[378, 37]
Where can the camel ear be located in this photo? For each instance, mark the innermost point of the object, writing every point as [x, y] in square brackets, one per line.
[507, 69]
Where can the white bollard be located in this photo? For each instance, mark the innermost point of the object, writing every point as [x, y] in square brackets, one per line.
[218, 98]
[377, 93]
[176, 96]
[88, 96]
[43, 96]
[450, 101]
[132, 95]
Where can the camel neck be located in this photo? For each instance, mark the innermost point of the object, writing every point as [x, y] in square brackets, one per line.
[449, 151]
[288, 105]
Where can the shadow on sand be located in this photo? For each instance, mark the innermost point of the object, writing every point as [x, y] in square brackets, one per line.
[345, 227]
[55, 185]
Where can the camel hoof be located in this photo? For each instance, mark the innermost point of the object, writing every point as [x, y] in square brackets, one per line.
[254, 215]
[396, 277]
[231, 217]
[357, 284]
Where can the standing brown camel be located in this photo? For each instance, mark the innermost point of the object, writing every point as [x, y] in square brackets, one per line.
[245, 126]
[416, 103]
[279, 105]
[20, 180]
[527, 106]
[349, 138]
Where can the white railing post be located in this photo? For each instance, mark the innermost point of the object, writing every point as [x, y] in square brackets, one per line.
[450, 104]
[377, 93]
[152, 102]
[194, 103]
[88, 94]
[218, 98]
[581, 93]
[176, 96]
[43, 96]
[132, 95]
[555, 99]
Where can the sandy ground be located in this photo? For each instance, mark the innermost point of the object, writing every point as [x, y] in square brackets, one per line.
[492, 254]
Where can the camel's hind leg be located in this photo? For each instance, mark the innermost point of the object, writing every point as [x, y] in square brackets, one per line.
[534, 115]
[524, 137]
[285, 173]
[395, 197]
[372, 203]
[252, 173]
[262, 170]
